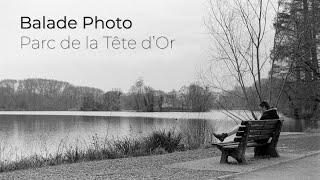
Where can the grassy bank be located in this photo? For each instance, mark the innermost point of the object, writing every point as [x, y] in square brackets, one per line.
[158, 142]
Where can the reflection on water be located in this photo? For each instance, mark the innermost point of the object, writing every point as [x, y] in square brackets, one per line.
[293, 125]
[25, 135]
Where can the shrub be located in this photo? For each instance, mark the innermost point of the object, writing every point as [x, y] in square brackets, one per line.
[169, 141]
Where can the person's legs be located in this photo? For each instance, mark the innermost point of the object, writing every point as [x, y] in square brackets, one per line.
[232, 131]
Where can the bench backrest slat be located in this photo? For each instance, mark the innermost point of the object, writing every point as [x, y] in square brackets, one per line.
[256, 132]
[262, 122]
[264, 127]
[258, 129]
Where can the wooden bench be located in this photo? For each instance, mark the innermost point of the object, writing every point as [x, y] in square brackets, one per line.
[263, 135]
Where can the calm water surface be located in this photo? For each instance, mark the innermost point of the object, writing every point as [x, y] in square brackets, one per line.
[24, 134]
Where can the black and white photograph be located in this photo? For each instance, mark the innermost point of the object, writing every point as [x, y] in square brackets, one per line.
[160, 89]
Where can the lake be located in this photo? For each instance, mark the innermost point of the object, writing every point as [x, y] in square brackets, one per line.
[28, 133]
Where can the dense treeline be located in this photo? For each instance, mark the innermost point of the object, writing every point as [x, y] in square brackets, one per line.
[192, 98]
[297, 59]
[43, 94]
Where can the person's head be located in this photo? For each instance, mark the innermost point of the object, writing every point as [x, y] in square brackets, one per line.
[264, 105]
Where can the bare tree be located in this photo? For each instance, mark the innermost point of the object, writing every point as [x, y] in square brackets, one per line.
[241, 48]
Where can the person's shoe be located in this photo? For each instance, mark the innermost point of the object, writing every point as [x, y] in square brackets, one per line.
[221, 137]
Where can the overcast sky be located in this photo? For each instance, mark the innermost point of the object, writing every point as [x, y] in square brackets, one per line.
[182, 20]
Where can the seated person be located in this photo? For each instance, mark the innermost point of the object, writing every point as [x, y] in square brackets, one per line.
[267, 113]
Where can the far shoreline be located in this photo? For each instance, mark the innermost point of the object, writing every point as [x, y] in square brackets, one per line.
[210, 115]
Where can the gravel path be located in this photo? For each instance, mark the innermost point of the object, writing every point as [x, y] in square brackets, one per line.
[152, 167]
[306, 168]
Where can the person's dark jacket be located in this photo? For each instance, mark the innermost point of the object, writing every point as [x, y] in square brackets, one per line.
[270, 114]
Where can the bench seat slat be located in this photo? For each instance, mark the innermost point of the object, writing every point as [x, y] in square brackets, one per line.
[254, 144]
[258, 137]
[256, 132]
[225, 143]
[254, 137]
[236, 144]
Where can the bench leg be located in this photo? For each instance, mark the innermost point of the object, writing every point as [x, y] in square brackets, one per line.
[239, 156]
[242, 159]
[224, 157]
[265, 151]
